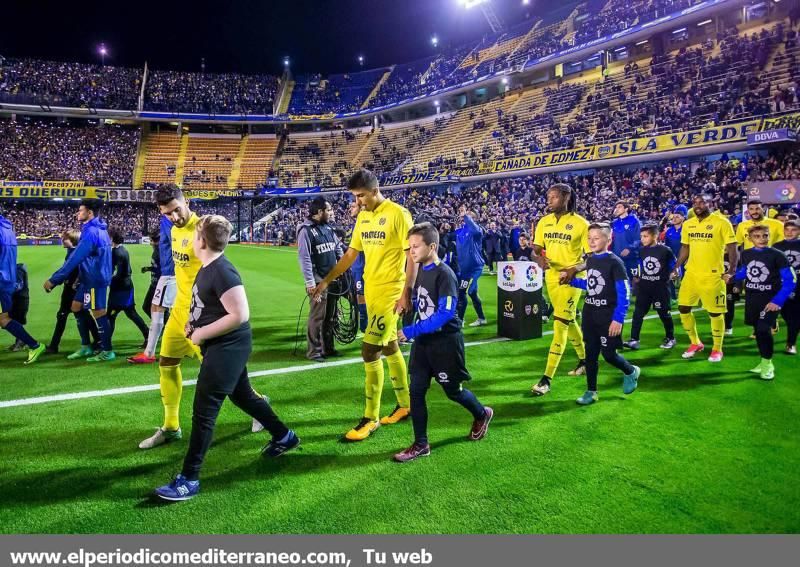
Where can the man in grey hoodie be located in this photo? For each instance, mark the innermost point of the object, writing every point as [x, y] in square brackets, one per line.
[319, 250]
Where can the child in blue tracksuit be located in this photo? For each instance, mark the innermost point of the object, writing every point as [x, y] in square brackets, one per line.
[8, 285]
[604, 308]
[469, 250]
[92, 257]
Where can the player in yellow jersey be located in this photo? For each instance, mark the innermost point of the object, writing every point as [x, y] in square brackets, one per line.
[563, 235]
[381, 233]
[755, 210]
[705, 240]
[174, 344]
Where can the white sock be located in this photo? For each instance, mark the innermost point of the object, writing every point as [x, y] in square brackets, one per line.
[156, 324]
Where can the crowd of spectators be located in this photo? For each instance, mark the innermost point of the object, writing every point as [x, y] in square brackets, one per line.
[56, 83]
[620, 14]
[214, 93]
[652, 192]
[97, 154]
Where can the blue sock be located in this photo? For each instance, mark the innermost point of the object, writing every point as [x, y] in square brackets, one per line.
[104, 328]
[83, 327]
[19, 332]
[477, 304]
[363, 318]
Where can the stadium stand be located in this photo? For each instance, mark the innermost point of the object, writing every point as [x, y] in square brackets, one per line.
[32, 81]
[215, 93]
[97, 154]
[338, 93]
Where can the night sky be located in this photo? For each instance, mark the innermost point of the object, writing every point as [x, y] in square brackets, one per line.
[248, 36]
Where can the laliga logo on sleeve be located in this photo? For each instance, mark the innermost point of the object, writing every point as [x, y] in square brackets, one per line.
[595, 282]
[757, 271]
[508, 273]
[424, 304]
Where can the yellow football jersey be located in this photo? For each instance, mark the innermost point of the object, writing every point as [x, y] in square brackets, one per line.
[775, 231]
[186, 263]
[382, 235]
[707, 239]
[564, 240]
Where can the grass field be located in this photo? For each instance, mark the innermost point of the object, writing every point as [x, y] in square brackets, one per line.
[698, 448]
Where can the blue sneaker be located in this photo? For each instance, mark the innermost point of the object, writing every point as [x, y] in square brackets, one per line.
[587, 398]
[276, 448]
[631, 381]
[179, 489]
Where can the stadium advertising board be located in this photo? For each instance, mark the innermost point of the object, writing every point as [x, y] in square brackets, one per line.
[772, 136]
[49, 190]
[778, 192]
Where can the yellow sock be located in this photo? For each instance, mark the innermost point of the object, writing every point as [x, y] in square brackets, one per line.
[373, 386]
[399, 375]
[718, 331]
[576, 338]
[171, 386]
[690, 325]
[560, 331]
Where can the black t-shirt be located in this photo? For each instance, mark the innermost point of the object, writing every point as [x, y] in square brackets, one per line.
[211, 283]
[523, 254]
[434, 283]
[792, 250]
[763, 270]
[603, 271]
[656, 264]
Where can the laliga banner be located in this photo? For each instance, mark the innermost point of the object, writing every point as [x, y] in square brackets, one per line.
[777, 192]
[49, 190]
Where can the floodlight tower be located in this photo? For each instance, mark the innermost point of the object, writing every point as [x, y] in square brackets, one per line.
[488, 13]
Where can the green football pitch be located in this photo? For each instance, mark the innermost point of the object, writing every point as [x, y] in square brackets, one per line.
[697, 448]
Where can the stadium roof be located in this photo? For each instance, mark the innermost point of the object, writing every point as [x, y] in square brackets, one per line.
[321, 36]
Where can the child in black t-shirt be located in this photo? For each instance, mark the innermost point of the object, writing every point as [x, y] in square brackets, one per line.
[790, 245]
[768, 282]
[438, 349]
[656, 262]
[219, 324]
[604, 308]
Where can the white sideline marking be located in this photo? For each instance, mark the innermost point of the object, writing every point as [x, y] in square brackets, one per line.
[272, 372]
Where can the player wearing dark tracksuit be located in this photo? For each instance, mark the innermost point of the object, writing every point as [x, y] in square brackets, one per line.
[768, 281]
[469, 249]
[121, 292]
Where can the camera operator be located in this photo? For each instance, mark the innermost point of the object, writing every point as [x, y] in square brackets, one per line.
[319, 250]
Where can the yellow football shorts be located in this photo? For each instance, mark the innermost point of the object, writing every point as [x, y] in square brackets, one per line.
[174, 343]
[564, 298]
[708, 289]
[382, 322]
